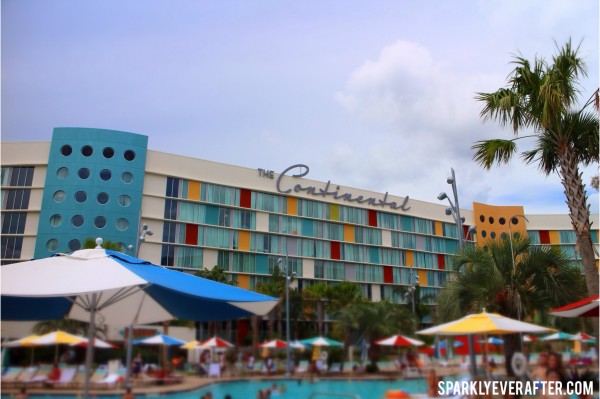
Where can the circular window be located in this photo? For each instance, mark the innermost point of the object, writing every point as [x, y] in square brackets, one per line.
[102, 198]
[484, 233]
[108, 152]
[52, 245]
[62, 173]
[80, 196]
[74, 245]
[87, 150]
[66, 150]
[105, 174]
[55, 220]
[504, 236]
[502, 221]
[126, 177]
[493, 235]
[59, 196]
[77, 220]
[100, 222]
[514, 220]
[124, 200]
[482, 218]
[129, 155]
[122, 224]
[491, 220]
[83, 173]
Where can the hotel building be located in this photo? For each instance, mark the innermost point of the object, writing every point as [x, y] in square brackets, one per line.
[88, 183]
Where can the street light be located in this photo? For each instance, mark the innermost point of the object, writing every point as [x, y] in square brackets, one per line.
[454, 211]
[414, 282]
[288, 277]
[143, 232]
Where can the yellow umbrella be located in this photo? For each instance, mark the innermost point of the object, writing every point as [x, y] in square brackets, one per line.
[191, 345]
[484, 323]
[25, 341]
[58, 337]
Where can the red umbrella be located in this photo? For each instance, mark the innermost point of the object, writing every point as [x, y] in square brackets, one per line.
[399, 340]
[585, 308]
[529, 338]
[215, 342]
[276, 343]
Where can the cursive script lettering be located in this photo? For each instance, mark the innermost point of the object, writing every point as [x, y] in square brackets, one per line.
[336, 194]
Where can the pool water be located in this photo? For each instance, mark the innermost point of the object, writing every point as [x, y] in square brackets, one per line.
[365, 389]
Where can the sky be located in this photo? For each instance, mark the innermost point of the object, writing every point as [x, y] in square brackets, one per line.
[376, 95]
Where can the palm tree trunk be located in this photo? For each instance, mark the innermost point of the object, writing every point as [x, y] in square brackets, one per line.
[579, 212]
[511, 345]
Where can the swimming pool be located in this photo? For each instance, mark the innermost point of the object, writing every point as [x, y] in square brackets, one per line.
[365, 389]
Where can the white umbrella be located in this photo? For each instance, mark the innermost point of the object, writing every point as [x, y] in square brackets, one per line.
[118, 289]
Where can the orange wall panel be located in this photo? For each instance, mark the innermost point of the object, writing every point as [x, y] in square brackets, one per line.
[348, 233]
[410, 258]
[244, 240]
[243, 281]
[422, 278]
[194, 190]
[439, 231]
[554, 238]
[292, 206]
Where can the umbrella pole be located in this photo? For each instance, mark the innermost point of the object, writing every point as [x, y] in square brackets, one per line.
[472, 358]
[128, 360]
[89, 355]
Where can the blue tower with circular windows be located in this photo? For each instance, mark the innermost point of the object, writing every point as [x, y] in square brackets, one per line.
[93, 189]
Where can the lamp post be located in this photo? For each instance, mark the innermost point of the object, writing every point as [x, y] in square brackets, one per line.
[414, 282]
[141, 237]
[288, 277]
[454, 211]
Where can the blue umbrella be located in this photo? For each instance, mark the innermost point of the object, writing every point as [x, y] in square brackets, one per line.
[159, 339]
[117, 289]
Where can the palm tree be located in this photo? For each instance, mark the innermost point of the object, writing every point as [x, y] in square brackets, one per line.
[543, 97]
[90, 243]
[317, 293]
[515, 282]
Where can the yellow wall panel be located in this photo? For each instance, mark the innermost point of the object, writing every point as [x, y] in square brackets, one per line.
[194, 190]
[410, 258]
[292, 206]
[439, 231]
[348, 233]
[334, 212]
[244, 241]
[554, 238]
[422, 277]
[243, 281]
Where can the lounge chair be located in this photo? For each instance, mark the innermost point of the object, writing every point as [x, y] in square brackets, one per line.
[214, 370]
[39, 376]
[302, 367]
[10, 375]
[335, 368]
[67, 375]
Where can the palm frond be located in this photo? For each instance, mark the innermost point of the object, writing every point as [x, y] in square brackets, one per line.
[490, 152]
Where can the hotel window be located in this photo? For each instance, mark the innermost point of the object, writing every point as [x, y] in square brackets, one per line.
[189, 257]
[20, 176]
[424, 226]
[15, 199]
[353, 253]
[269, 202]
[220, 194]
[319, 269]
[244, 220]
[534, 236]
[388, 221]
[243, 262]
[171, 209]
[404, 240]
[191, 212]
[169, 232]
[290, 225]
[367, 235]
[449, 230]
[392, 257]
[425, 260]
[567, 237]
[167, 255]
[314, 209]
[11, 247]
[172, 187]
[334, 271]
[13, 223]
[354, 215]
[218, 238]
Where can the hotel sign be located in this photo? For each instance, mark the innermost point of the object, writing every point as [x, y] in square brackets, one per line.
[328, 191]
